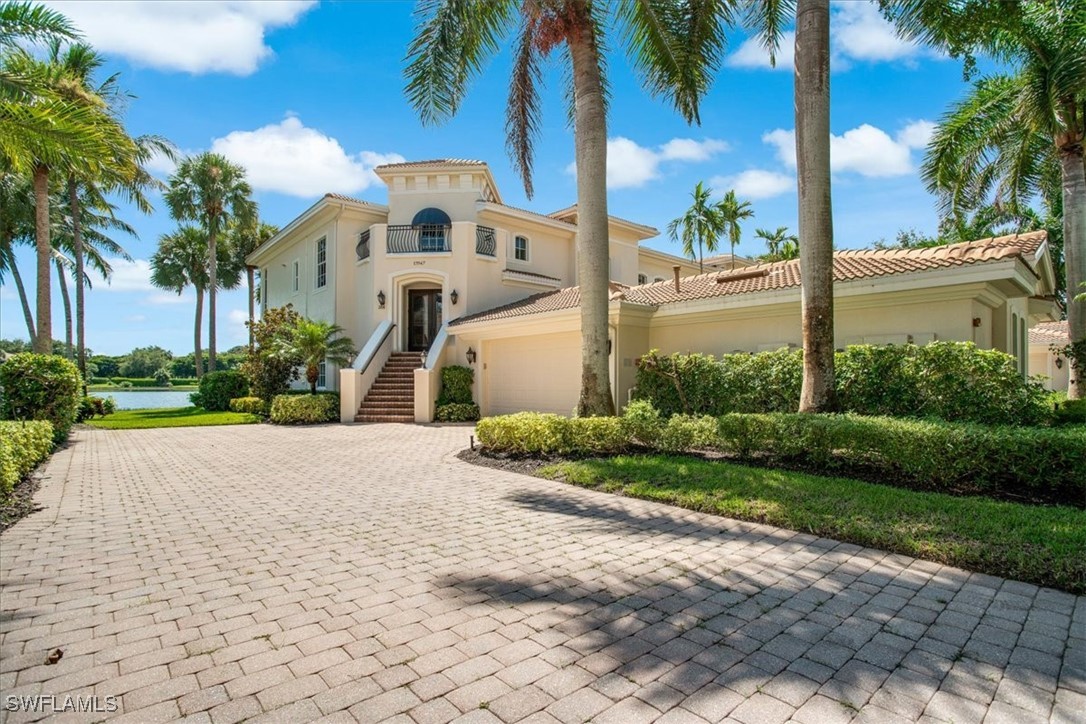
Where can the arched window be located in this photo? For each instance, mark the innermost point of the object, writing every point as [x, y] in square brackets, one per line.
[433, 226]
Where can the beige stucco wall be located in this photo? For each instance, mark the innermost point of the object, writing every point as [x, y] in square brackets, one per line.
[1042, 362]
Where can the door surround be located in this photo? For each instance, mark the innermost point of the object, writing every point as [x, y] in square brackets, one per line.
[398, 284]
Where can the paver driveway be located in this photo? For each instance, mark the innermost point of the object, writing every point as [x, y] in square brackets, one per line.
[362, 572]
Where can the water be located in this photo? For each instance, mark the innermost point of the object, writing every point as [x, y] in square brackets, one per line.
[146, 399]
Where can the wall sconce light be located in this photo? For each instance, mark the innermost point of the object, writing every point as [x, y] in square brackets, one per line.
[454, 297]
[381, 299]
[471, 356]
[976, 321]
[1059, 363]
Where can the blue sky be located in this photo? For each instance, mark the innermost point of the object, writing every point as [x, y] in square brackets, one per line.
[310, 97]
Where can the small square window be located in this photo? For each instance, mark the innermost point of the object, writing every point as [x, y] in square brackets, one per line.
[520, 248]
[322, 263]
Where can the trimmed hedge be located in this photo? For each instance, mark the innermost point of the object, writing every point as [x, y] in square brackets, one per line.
[1038, 464]
[953, 381]
[305, 409]
[1070, 412]
[22, 446]
[41, 387]
[454, 404]
[250, 405]
[218, 388]
[457, 412]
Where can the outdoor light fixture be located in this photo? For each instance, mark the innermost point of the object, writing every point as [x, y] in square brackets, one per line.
[1059, 363]
[471, 356]
[454, 297]
[381, 299]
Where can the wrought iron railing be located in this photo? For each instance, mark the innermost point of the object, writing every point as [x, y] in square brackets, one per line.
[362, 251]
[486, 243]
[424, 238]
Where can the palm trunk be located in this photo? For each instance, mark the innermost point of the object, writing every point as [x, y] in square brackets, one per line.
[67, 300]
[43, 340]
[701, 258]
[27, 315]
[812, 100]
[312, 374]
[80, 272]
[197, 356]
[590, 132]
[250, 273]
[213, 283]
[1074, 253]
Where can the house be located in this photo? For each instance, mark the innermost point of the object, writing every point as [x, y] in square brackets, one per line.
[447, 273]
[1054, 368]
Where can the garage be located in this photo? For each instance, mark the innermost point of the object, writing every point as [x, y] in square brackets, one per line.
[541, 373]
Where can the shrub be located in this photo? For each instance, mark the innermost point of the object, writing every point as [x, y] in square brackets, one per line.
[642, 422]
[22, 446]
[250, 405]
[457, 412]
[1071, 412]
[41, 387]
[456, 385]
[91, 407]
[525, 433]
[952, 381]
[109, 405]
[305, 409]
[597, 435]
[162, 377]
[687, 432]
[270, 374]
[218, 388]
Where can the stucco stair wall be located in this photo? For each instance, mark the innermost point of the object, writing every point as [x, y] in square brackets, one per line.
[392, 396]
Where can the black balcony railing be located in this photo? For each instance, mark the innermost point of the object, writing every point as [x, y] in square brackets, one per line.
[362, 251]
[486, 243]
[420, 239]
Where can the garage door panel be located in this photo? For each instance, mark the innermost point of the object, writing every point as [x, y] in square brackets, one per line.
[540, 373]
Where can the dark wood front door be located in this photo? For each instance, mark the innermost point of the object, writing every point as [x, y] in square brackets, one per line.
[423, 318]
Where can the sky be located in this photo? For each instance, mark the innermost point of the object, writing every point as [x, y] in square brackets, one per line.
[309, 98]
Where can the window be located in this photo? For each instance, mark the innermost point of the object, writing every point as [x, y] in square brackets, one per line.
[322, 375]
[322, 263]
[1023, 353]
[295, 275]
[642, 279]
[658, 279]
[520, 248]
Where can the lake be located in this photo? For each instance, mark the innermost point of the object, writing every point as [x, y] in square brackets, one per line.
[146, 399]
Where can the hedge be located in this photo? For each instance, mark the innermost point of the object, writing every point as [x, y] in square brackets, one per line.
[22, 446]
[953, 381]
[250, 405]
[218, 388]
[1039, 464]
[457, 412]
[305, 409]
[41, 387]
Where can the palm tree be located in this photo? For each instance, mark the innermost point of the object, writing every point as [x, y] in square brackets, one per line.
[670, 44]
[244, 239]
[731, 211]
[1016, 132]
[780, 245]
[213, 192]
[16, 227]
[701, 223]
[314, 342]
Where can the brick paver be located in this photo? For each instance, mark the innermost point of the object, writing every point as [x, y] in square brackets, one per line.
[362, 573]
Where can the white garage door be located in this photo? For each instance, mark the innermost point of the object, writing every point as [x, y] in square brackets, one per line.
[541, 373]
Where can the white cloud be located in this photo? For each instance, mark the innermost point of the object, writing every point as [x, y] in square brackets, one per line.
[630, 165]
[755, 183]
[128, 276]
[167, 298]
[289, 158]
[192, 36]
[238, 316]
[752, 54]
[136, 318]
[866, 150]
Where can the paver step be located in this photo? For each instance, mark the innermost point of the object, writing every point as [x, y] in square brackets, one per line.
[384, 418]
[387, 405]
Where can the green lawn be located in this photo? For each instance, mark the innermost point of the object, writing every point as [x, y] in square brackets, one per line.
[170, 417]
[1039, 544]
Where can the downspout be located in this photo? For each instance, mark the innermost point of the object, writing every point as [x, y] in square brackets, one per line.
[613, 336]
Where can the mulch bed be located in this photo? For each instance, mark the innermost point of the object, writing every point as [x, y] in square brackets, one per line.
[20, 503]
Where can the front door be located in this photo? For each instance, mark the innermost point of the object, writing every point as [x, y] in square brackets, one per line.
[423, 318]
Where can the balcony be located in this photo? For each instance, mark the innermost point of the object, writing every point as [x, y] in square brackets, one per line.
[418, 238]
[486, 243]
[362, 251]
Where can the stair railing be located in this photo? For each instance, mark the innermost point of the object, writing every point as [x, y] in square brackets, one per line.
[355, 381]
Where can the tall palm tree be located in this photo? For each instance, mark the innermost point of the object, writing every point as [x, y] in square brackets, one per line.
[16, 228]
[314, 342]
[244, 240]
[181, 261]
[702, 224]
[213, 192]
[1016, 132]
[731, 211]
[780, 245]
[670, 44]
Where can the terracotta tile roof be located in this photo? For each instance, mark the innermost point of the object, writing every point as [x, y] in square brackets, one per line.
[435, 162]
[847, 266]
[544, 217]
[560, 214]
[531, 274]
[1047, 333]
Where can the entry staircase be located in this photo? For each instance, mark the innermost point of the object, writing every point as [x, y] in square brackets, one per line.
[392, 396]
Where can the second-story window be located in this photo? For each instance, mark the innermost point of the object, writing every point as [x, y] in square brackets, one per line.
[295, 275]
[642, 279]
[322, 263]
[520, 248]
